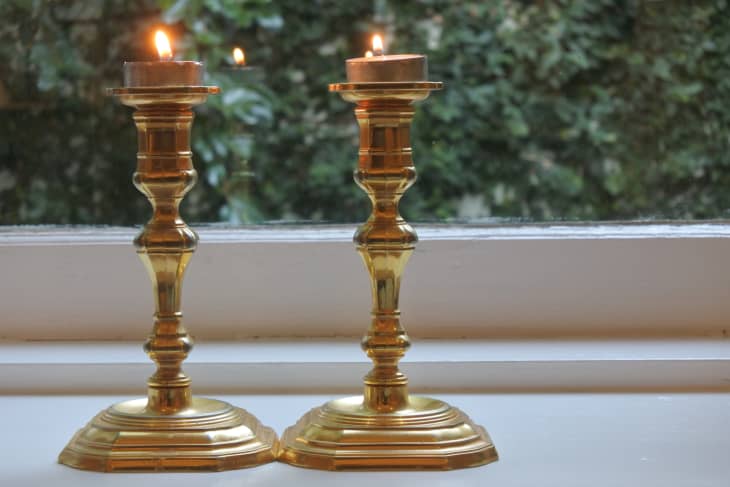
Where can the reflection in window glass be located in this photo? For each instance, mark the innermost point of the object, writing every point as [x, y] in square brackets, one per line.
[552, 110]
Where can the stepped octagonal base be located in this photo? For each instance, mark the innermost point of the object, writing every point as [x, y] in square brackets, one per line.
[426, 434]
[210, 435]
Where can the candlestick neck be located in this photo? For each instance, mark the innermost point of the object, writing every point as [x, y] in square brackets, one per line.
[165, 173]
[385, 241]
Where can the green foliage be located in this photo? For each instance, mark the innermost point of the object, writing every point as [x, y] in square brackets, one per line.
[577, 110]
[608, 109]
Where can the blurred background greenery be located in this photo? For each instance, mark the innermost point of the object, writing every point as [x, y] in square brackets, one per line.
[552, 110]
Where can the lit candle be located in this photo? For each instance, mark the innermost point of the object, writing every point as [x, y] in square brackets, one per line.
[376, 67]
[164, 72]
[239, 72]
[239, 58]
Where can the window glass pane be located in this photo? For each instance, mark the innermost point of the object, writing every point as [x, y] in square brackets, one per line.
[551, 110]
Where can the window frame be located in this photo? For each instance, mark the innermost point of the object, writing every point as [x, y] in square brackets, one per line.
[477, 281]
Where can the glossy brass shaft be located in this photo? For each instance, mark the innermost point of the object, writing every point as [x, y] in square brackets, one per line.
[164, 174]
[385, 242]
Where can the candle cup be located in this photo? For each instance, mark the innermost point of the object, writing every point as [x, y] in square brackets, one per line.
[244, 74]
[385, 428]
[170, 430]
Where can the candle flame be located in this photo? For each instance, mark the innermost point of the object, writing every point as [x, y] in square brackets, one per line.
[163, 46]
[238, 56]
[368, 53]
[377, 45]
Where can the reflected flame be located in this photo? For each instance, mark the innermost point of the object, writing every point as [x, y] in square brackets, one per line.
[368, 53]
[163, 46]
[238, 56]
[377, 45]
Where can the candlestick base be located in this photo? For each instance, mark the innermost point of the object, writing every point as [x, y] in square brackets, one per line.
[424, 434]
[209, 435]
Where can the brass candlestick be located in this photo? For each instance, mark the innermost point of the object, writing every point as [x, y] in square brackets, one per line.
[170, 429]
[386, 428]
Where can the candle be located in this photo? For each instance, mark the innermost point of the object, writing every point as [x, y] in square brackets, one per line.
[164, 72]
[377, 67]
[239, 72]
[239, 58]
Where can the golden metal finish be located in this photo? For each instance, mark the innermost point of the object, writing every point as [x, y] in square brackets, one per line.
[170, 429]
[386, 428]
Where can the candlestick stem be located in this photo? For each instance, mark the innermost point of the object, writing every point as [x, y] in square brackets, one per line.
[385, 242]
[164, 174]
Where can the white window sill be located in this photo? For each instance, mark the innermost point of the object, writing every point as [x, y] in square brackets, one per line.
[545, 440]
